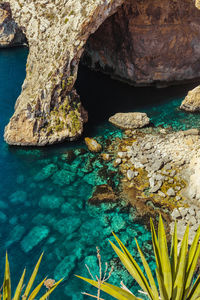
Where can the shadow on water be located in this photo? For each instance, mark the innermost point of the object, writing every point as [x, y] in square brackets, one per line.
[103, 96]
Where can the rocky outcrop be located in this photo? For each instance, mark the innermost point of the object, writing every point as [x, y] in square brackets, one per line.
[148, 42]
[191, 103]
[129, 120]
[10, 33]
[49, 109]
[93, 145]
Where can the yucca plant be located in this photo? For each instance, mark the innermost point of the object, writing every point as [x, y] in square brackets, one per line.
[174, 271]
[19, 293]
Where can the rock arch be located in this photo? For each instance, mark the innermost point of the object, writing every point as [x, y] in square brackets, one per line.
[48, 109]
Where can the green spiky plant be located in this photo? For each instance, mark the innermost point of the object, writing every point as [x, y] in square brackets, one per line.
[19, 293]
[174, 271]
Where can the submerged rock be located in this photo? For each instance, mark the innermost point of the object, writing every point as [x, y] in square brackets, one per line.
[18, 197]
[93, 145]
[103, 193]
[51, 201]
[191, 102]
[130, 120]
[46, 172]
[34, 237]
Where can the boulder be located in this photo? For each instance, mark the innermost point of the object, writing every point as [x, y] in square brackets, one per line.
[191, 102]
[130, 120]
[93, 145]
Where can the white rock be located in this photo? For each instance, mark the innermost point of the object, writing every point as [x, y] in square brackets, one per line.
[130, 174]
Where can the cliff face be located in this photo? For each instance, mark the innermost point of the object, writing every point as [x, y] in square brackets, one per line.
[48, 109]
[10, 33]
[148, 42]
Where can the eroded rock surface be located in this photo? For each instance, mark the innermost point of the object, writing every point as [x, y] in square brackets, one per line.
[191, 103]
[10, 33]
[148, 42]
[130, 120]
[49, 109]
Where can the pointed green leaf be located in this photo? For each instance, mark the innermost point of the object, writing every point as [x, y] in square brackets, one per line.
[156, 248]
[7, 281]
[166, 266]
[46, 295]
[190, 273]
[19, 287]
[134, 269]
[112, 290]
[195, 290]
[181, 268]
[148, 272]
[162, 288]
[36, 290]
[174, 253]
[32, 279]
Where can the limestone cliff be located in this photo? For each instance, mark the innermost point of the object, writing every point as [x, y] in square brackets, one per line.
[49, 109]
[148, 42]
[10, 33]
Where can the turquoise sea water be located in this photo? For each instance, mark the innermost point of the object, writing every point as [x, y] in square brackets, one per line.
[44, 191]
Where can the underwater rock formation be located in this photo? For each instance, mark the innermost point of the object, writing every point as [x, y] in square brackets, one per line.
[49, 109]
[10, 33]
[148, 42]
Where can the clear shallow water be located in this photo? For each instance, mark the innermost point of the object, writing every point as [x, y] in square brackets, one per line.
[44, 191]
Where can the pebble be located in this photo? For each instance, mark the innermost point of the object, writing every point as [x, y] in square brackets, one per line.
[171, 192]
[130, 174]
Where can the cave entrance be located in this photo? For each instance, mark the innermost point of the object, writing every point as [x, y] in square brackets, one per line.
[142, 44]
[103, 96]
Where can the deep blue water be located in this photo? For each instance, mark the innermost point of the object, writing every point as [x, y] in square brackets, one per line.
[44, 191]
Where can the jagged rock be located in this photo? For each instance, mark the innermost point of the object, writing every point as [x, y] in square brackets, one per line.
[130, 120]
[49, 110]
[10, 33]
[145, 41]
[191, 102]
[93, 145]
[103, 193]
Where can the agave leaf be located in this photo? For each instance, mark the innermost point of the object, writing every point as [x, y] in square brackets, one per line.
[165, 265]
[32, 279]
[19, 287]
[148, 272]
[179, 283]
[36, 290]
[190, 273]
[45, 296]
[112, 290]
[174, 253]
[156, 248]
[195, 290]
[7, 281]
[134, 269]
[162, 288]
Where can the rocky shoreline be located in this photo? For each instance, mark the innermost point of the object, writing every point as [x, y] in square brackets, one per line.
[160, 171]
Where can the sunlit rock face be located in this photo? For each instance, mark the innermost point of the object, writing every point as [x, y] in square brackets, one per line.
[148, 42]
[49, 110]
[10, 33]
